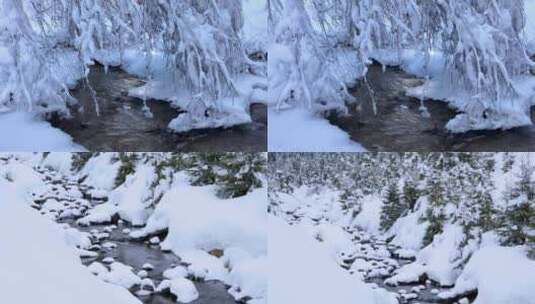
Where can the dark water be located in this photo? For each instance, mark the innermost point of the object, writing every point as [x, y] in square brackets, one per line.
[123, 126]
[400, 126]
[135, 254]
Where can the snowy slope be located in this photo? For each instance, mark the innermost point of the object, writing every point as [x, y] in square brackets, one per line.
[27, 239]
[301, 270]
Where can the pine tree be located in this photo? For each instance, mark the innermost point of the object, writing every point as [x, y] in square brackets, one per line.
[435, 211]
[410, 194]
[393, 207]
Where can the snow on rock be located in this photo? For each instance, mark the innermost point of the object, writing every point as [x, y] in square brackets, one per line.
[102, 213]
[176, 272]
[248, 279]
[147, 266]
[297, 261]
[409, 273]
[184, 290]
[154, 240]
[501, 275]
[122, 275]
[202, 265]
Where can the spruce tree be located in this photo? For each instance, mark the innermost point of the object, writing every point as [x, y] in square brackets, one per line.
[435, 211]
[393, 207]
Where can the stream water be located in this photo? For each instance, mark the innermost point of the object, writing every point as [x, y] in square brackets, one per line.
[123, 126]
[400, 126]
[385, 265]
[130, 252]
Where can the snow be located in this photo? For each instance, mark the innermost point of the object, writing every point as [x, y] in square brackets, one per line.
[100, 171]
[409, 230]
[195, 218]
[60, 162]
[297, 261]
[43, 136]
[501, 275]
[131, 197]
[100, 214]
[530, 26]
[121, 275]
[298, 130]
[184, 290]
[28, 240]
[369, 218]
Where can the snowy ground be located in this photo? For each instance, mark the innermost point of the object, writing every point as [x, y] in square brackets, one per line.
[388, 266]
[187, 258]
[16, 128]
[298, 130]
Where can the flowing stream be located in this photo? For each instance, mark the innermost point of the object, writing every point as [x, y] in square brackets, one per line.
[125, 250]
[384, 262]
[400, 126]
[122, 125]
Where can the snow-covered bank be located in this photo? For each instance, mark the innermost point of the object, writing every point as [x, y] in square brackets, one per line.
[428, 227]
[217, 228]
[298, 130]
[302, 270]
[474, 56]
[38, 262]
[499, 274]
[26, 132]
[207, 56]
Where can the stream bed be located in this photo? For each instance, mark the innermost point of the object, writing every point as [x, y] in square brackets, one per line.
[122, 125]
[111, 240]
[400, 126]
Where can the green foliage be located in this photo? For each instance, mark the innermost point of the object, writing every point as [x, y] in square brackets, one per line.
[410, 194]
[80, 159]
[393, 207]
[519, 224]
[128, 166]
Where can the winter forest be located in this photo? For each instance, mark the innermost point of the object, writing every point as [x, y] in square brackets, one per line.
[402, 227]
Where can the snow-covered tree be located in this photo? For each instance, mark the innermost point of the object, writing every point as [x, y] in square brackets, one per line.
[393, 207]
[314, 42]
[199, 40]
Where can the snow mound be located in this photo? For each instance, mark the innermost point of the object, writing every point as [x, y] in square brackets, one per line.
[501, 275]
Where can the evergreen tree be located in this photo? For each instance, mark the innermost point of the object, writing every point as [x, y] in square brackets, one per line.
[393, 207]
[435, 211]
[410, 194]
